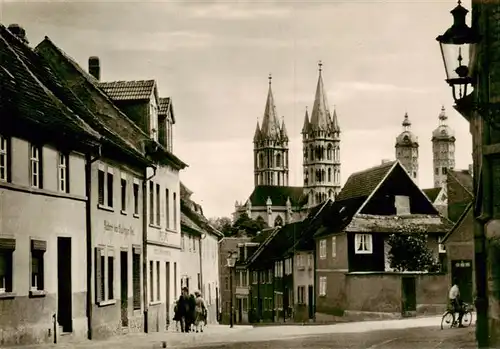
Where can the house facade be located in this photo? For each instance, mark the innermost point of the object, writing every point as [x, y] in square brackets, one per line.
[140, 101]
[353, 273]
[209, 250]
[43, 150]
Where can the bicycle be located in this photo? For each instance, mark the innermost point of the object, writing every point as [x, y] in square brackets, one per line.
[450, 320]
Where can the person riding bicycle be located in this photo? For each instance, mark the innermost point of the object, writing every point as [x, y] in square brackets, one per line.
[456, 302]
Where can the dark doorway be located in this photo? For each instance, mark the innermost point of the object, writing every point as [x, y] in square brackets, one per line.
[409, 295]
[240, 310]
[64, 292]
[310, 301]
[462, 270]
[167, 292]
[124, 287]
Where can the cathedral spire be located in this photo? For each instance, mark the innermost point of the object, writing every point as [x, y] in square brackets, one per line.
[442, 116]
[270, 123]
[305, 127]
[284, 133]
[256, 136]
[335, 121]
[406, 123]
[320, 114]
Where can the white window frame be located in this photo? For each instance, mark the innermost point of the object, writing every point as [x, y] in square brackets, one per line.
[334, 246]
[322, 285]
[62, 171]
[366, 242]
[441, 246]
[300, 261]
[322, 249]
[4, 155]
[35, 165]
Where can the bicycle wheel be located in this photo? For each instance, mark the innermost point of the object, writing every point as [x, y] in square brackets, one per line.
[447, 320]
[467, 319]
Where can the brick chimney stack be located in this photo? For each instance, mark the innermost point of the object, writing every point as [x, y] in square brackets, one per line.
[95, 67]
[18, 31]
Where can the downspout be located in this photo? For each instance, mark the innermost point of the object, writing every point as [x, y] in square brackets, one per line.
[145, 243]
[314, 283]
[89, 160]
[202, 289]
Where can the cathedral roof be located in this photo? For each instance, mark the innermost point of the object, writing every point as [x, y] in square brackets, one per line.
[320, 116]
[284, 133]
[443, 131]
[432, 193]
[305, 127]
[256, 135]
[270, 124]
[278, 194]
[406, 138]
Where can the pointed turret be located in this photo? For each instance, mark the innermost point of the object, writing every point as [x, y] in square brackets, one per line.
[443, 148]
[320, 115]
[335, 121]
[305, 128]
[284, 133]
[270, 124]
[256, 136]
[407, 148]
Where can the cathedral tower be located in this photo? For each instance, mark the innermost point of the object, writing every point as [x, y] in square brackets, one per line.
[443, 148]
[321, 147]
[270, 147]
[407, 149]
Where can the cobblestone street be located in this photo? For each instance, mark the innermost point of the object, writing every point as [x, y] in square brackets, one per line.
[408, 333]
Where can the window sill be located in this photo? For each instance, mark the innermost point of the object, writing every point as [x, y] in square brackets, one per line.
[107, 303]
[7, 295]
[322, 295]
[301, 268]
[123, 212]
[105, 208]
[136, 215]
[171, 230]
[37, 293]
[155, 303]
[154, 226]
[363, 252]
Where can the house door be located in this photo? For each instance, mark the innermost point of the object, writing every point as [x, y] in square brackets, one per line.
[409, 295]
[462, 270]
[64, 292]
[310, 301]
[240, 310]
[124, 287]
[167, 292]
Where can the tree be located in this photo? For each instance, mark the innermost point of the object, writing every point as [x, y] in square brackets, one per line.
[222, 224]
[409, 252]
[243, 224]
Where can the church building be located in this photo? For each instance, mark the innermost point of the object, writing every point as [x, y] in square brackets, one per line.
[273, 200]
[407, 149]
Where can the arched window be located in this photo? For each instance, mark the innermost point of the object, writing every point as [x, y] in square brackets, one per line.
[329, 152]
[305, 154]
[261, 160]
[306, 177]
[311, 152]
[323, 175]
[278, 222]
[278, 160]
[329, 175]
[312, 176]
[260, 219]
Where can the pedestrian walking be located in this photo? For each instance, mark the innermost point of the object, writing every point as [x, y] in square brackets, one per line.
[200, 312]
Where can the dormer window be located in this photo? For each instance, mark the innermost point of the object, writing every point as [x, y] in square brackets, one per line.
[153, 120]
[402, 204]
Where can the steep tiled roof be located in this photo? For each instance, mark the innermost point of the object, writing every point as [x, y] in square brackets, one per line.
[278, 195]
[32, 96]
[102, 114]
[432, 193]
[338, 216]
[464, 178]
[394, 224]
[188, 222]
[363, 183]
[163, 105]
[128, 90]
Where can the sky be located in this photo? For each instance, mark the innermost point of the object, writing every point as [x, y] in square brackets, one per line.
[380, 60]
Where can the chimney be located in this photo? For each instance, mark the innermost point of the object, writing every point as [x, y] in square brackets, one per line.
[18, 31]
[95, 67]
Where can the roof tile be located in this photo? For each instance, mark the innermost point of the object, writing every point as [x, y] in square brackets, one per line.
[128, 90]
[278, 195]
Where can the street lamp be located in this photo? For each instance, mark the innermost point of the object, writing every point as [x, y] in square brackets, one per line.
[457, 44]
[231, 262]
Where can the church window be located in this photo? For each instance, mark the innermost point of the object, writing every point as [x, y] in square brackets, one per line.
[436, 170]
[445, 170]
[278, 222]
[278, 160]
[329, 175]
[311, 152]
[329, 153]
[260, 219]
[261, 160]
[323, 175]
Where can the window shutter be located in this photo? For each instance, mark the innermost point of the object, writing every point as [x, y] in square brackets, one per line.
[98, 275]
[136, 278]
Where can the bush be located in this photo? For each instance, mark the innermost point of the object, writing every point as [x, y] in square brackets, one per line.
[409, 252]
